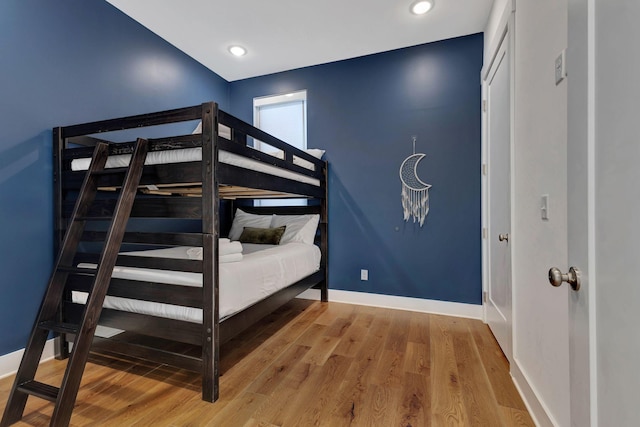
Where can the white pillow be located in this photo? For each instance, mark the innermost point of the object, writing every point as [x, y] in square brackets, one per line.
[223, 131]
[300, 228]
[243, 219]
[315, 152]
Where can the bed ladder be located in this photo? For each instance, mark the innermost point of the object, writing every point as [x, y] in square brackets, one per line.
[47, 321]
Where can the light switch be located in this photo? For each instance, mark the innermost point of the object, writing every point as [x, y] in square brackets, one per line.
[561, 67]
[544, 207]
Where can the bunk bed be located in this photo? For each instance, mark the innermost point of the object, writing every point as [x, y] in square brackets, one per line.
[210, 174]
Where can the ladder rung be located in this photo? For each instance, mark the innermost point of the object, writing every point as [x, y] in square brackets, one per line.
[110, 171]
[77, 270]
[94, 218]
[41, 390]
[60, 327]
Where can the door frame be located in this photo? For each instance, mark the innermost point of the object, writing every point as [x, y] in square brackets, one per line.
[581, 146]
[506, 28]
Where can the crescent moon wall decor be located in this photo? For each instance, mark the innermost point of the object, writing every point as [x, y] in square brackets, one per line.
[415, 192]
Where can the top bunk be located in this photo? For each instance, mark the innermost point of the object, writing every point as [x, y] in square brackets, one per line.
[219, 155]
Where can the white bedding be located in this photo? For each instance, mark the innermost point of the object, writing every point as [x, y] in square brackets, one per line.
[259, 274]
[195, 154]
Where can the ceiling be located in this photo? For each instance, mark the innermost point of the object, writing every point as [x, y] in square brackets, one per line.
[281, 35]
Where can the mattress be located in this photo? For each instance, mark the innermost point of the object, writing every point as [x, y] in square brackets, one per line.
[195, 154]
[241, 284]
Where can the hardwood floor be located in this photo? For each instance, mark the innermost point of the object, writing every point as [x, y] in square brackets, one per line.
[311, 364]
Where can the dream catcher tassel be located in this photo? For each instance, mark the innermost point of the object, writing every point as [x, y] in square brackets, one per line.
[415, 192]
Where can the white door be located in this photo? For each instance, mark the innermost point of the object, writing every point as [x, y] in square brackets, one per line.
[498, 135]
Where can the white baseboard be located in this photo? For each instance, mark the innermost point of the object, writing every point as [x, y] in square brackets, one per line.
[446, 308]
[9, 363]
[536, 409]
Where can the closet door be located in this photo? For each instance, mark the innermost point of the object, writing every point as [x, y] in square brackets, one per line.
[499, 129]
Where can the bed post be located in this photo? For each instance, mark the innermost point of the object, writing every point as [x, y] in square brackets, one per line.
[324, 236]
[210, 230]
[61, 346]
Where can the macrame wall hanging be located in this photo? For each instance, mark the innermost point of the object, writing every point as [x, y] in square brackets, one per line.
[415, 192]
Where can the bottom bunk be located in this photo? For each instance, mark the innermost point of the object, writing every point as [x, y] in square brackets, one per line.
[259, 271]
[154, 294]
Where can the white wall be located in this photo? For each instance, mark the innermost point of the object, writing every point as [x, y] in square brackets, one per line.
[617, 150]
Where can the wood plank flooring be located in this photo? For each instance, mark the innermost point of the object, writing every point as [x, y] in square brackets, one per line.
[311, 364]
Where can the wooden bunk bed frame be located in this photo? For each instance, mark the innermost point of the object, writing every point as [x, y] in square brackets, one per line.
[167, 191]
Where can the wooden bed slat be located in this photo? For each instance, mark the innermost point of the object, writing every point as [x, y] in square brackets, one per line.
[187, 172]
[252, 153]
[141, 120]
[146, 238]
[237, 323]
[159, 327]
[172, 264]
[186, 296]
[155, 144]
[151, 207]
[228, 174]
[182, 361]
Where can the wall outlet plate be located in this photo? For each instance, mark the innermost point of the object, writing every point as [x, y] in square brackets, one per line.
[364, 274]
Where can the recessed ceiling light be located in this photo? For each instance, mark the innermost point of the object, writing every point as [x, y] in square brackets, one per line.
[237, 50]
[421, 7]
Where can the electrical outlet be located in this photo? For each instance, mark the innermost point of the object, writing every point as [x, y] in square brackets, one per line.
[364, 274]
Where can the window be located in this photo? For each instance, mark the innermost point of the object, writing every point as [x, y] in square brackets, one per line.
[285, 117]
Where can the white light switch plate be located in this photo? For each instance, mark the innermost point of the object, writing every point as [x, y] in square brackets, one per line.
[561, 66]
[544, 207]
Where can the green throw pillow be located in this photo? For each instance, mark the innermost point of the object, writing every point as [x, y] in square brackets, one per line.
[263, 236]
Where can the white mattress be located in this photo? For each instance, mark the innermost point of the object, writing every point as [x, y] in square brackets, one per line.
[195, 154]
[258, 275]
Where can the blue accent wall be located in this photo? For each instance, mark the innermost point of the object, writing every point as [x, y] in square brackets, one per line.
[82, 60]
[64, 63]
[364, 111]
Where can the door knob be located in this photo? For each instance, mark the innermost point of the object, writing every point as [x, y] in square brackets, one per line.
[503, 237]
[572, 277]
